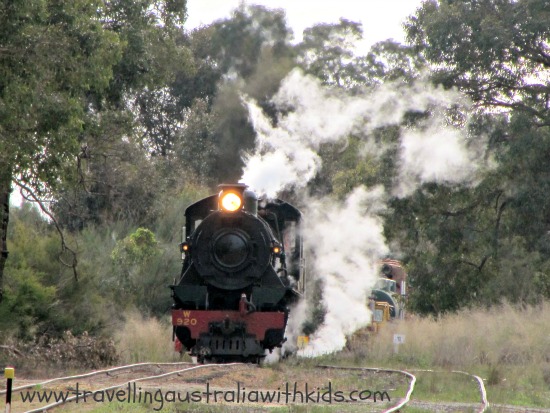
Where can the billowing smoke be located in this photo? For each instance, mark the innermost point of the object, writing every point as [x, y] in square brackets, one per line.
[346, 237]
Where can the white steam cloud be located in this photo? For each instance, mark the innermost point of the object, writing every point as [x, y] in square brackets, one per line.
[436, 154]
[286, 155]
[346, 239]
[347, 242]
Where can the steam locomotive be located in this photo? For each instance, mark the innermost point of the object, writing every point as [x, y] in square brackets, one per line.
[242, 269]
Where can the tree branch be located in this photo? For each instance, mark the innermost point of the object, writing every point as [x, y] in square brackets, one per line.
[11, 349]
[460, 211]
[476, 266]
[64, 247]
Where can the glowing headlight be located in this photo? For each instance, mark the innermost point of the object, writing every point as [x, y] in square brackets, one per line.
[231, 202]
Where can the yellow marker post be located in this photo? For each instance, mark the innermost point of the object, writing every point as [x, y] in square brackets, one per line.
[302, 342]
[9, 373]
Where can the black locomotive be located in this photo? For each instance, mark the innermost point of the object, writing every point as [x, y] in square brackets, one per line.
[242, 269]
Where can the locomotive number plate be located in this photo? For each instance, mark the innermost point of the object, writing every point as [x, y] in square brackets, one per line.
[186, 320]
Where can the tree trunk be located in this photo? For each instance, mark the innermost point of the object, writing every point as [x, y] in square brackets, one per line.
[5, 190]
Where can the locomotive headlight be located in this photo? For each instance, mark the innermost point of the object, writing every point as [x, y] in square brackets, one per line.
[230, 201]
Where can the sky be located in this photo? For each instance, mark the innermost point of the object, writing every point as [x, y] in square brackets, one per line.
[381, 19]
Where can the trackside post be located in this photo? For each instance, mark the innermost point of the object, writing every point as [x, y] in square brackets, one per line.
[9, 374]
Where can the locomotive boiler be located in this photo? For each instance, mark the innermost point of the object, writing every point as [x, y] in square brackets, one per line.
[242, 269]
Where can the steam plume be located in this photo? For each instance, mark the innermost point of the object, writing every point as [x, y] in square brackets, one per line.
[347, 242]
[346, 238]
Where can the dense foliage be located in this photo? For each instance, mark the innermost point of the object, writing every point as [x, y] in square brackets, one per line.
[119, 118]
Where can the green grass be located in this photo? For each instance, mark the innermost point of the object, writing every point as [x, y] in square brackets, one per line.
[446, 386]
[518, 385]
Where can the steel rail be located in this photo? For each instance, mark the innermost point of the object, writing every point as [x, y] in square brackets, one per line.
[93, 373]
[69, 399]
[404, 401]
[480, 384]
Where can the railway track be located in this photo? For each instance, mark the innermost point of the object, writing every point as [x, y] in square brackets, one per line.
[484, 403]
[126, 378]
[402, 402]
[90, 375]
[69, 389]
[480, 407]
[185, 377]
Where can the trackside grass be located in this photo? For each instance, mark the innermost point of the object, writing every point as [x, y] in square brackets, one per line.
[146, 340]
[507, 346]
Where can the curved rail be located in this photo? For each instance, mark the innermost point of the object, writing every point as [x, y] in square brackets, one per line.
[69, 399]
[481, 386]
[93, 373]
[404, 401]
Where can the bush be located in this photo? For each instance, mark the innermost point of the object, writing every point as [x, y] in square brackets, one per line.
[142, 339]
[66, 352]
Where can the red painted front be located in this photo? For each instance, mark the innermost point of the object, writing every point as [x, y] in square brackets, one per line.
[256, 323]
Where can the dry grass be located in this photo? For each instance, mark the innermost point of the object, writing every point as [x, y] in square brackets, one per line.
[508, 346]
[504, 335]
[145, 340]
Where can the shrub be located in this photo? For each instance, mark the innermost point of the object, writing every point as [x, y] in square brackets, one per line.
[142, 339]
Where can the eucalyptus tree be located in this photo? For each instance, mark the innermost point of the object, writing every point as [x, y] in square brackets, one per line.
[328, 51]
[498, 53]
[53, 54]
[133, 123]
[244, 56]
